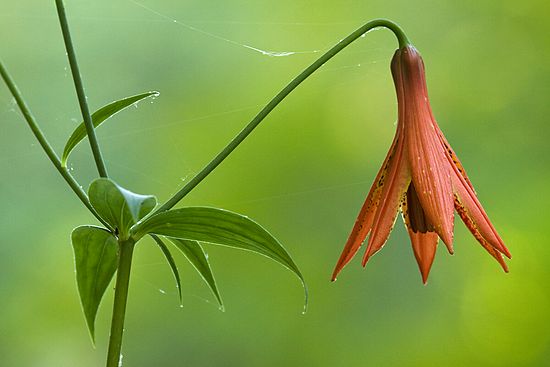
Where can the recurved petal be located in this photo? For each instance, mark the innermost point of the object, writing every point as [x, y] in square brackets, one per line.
[453, 159]
[363, 223]
[424, 241]
[473, 229]
[474, 217]
[397, 181]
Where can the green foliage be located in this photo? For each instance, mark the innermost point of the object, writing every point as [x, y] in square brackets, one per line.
[96, 259]
[96, 251]
[119, 207]
[196, 255]
[218, 227]
[171, 262]
[98, 118]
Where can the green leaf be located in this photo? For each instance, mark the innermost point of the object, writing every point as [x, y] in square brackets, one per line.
[97, 118]
[96, 260]
[219, 227]
[171, 263]
[196, 255]
[117, 206]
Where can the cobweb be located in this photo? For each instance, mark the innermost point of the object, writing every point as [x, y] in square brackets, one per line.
[201, 28]
[221, 38]
[154, 15]
[365, 58]
[190, 29]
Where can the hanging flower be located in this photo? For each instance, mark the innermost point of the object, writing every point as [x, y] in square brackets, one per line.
[421, 177]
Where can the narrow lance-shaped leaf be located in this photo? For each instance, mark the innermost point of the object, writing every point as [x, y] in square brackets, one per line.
[196, 255]
[220, 227]
[96, 260]
[171, 263]
[98, 118]
[117, 206]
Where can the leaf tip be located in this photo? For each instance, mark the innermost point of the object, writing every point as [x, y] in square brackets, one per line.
[221, 306]
[90, 322]
[92, 339]
[306, 297]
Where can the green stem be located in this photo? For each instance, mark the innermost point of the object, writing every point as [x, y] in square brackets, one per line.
[31, 121]
[121, 297]
[80, 89]
[403, 41]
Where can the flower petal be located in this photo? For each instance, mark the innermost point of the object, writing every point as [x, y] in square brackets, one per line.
[474, 230]
[453, 159]
[397, 182]
[363, 223]
[430, 169]
[424, 241]
[431, 177]
[474, 217]
[462, 184]
[424, 246]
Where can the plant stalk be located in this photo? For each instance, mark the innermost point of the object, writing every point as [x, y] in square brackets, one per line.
[126, 249]
[31, 121]
[402, 40]
[79, 86]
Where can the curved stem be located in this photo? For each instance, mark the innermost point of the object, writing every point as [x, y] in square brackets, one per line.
[126, 249]
[80, 89]
[46, 145]
[402, 38]
[403, 41]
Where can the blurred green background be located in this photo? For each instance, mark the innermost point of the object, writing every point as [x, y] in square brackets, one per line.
[303, 174]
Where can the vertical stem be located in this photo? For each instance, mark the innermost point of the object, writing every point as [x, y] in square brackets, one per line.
[80, 89]
[121, 296]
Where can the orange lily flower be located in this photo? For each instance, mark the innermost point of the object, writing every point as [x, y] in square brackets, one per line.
[421, 177]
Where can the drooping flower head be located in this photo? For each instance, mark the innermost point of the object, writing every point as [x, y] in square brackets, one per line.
[421, 177]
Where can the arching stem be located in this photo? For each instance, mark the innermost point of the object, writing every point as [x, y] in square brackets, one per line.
[402, 40]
